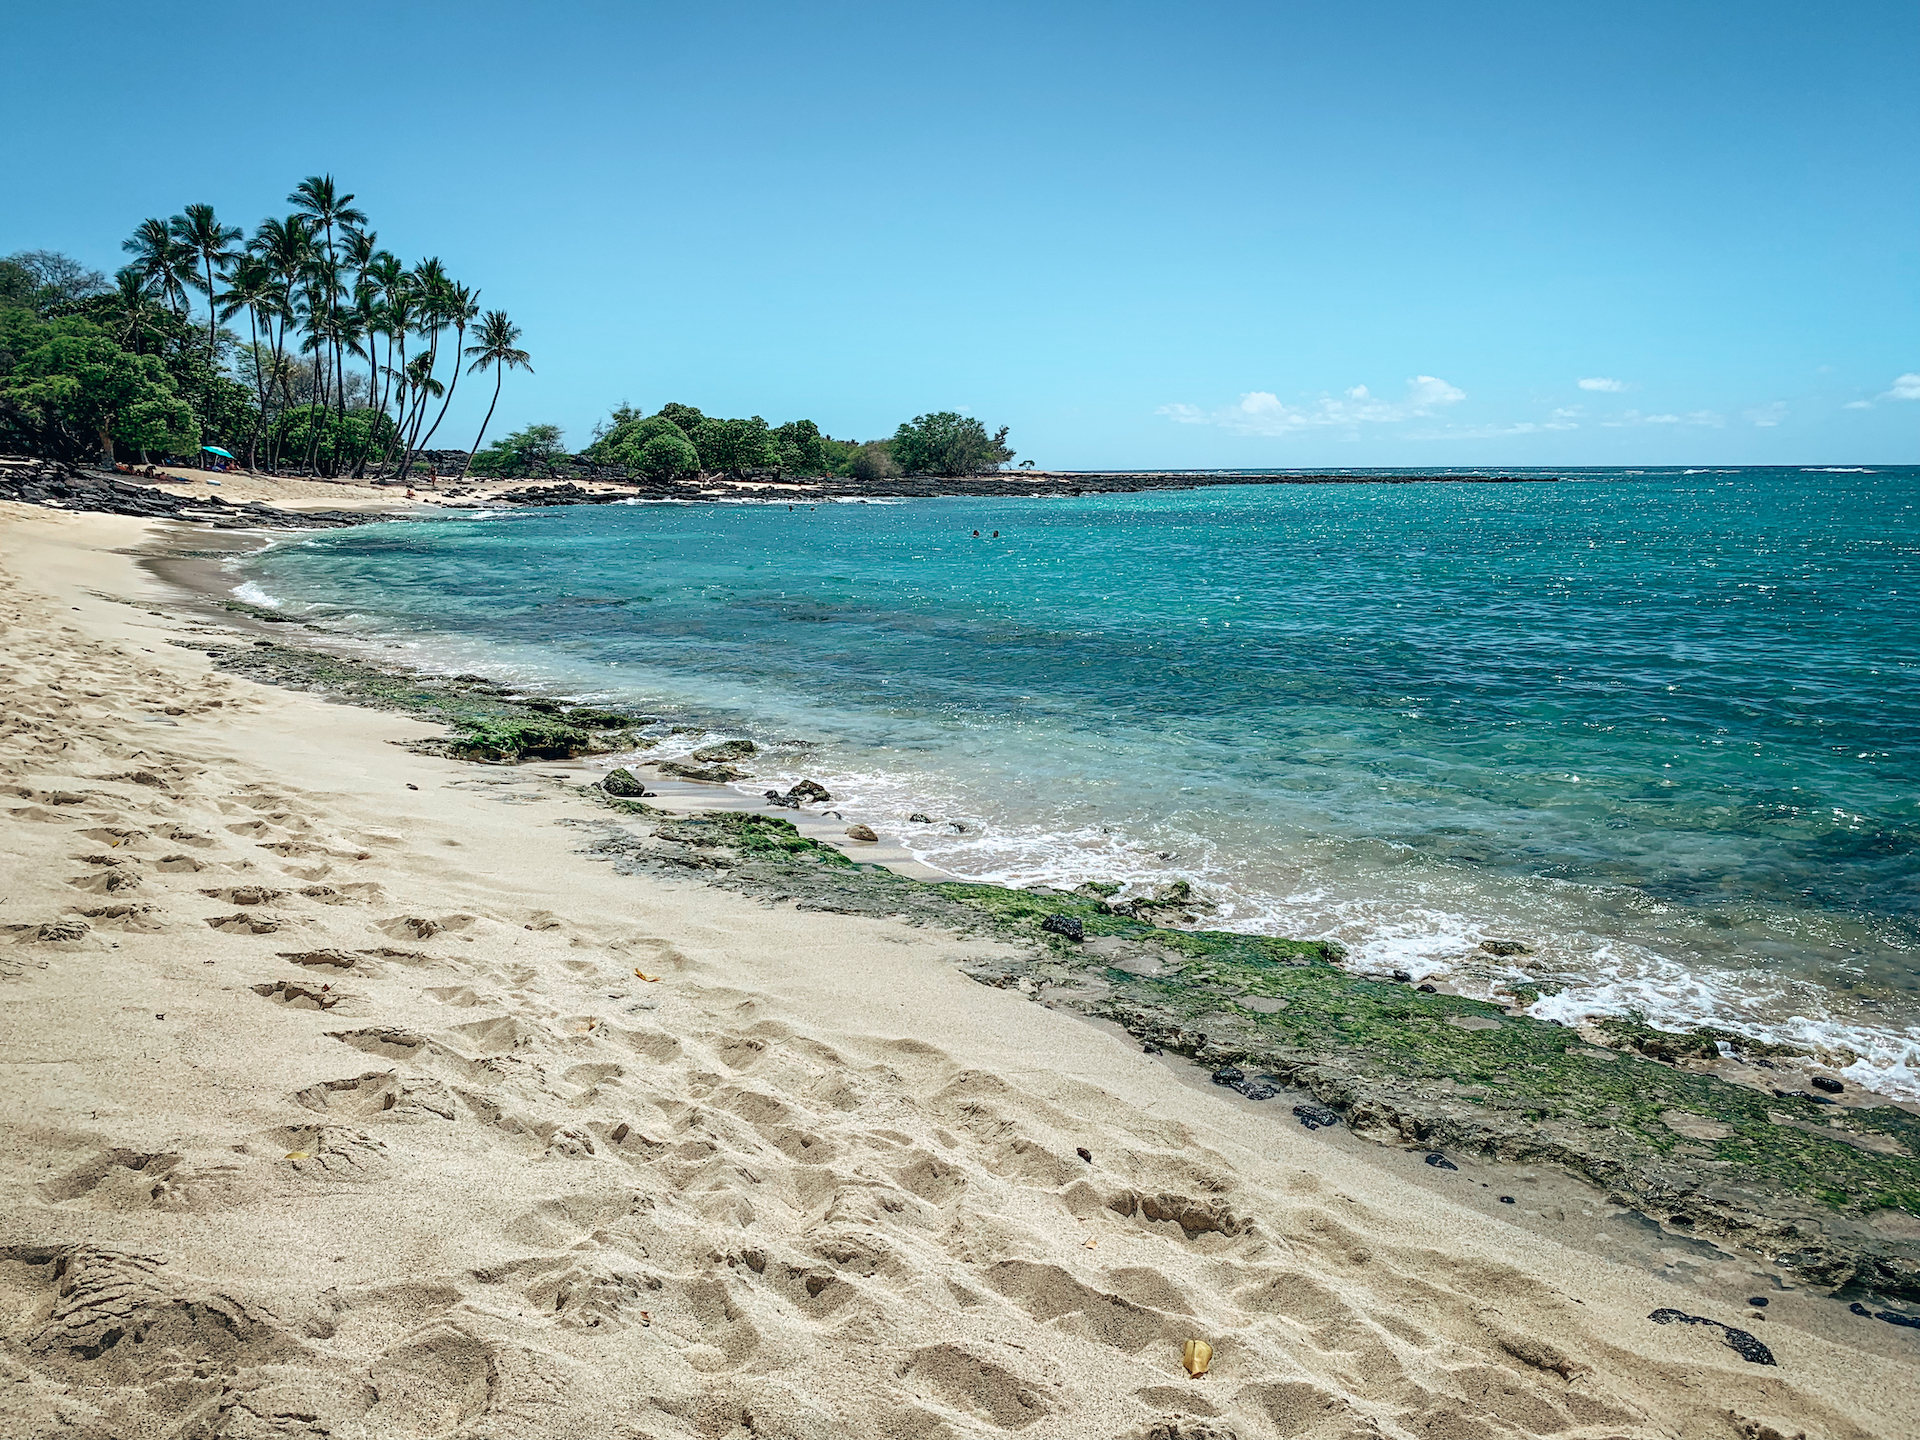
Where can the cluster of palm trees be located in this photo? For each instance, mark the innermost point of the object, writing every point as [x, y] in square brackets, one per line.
[370, 329]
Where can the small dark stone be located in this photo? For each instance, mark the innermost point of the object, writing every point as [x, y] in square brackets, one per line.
[1229, 1075]
[1315, 1117]
[1440, 1162]
[785, 802]
[1682, 1220]
[1759, 1302]
[1506, 1200]
[1151, 1049]
[1832, 1087]
[808, 791]
[1257, 1090]
[1426, 989]
[1402, 976]
[1084, 1153]
[1862, 1311]
[1894, 1317]
[1067, 925]
[412, 786]
[623, 782]
[920, 818]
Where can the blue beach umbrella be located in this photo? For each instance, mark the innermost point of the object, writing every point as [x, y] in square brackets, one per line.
[216, 450]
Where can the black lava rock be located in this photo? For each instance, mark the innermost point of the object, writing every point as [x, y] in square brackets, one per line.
[1440, 1162]
[1071, 927]
[1256, 1090]
[1229, 1075]
[1084, 1153]
[1748, 1347]
[1315, 1117]
[1426, 989]
[1832, 1087]
[1507, 1200]
[1759, 1302]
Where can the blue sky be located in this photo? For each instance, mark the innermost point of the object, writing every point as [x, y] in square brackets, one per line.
[1206, 234]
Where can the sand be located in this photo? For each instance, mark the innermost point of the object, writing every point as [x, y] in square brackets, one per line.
[342, 1097]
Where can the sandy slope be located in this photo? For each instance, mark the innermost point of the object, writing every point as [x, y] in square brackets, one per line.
[348, 1114]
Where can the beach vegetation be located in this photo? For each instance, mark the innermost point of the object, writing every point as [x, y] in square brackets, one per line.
[67, 389]
[534, 450]
[309, 314]
[872, 461]
[667, 456]
[947, 443]
[47, 282]
[735, 447]
[498, 349]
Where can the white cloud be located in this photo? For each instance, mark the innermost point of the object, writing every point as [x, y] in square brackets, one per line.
[1692, 417]
[1907, 387]
[1858, 405]
[1767, 416]
[1601, 382]
[1260, 412]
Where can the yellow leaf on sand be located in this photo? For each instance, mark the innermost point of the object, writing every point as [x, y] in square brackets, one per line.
[1196, 1355]
[1091, 1245]
[298, 1155]
[650, 979]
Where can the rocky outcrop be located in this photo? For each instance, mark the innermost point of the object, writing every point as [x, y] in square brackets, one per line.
[66, 487]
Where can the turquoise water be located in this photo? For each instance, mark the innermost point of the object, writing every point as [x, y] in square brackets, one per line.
[1662, 725]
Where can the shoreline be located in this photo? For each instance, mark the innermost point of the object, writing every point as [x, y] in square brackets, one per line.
[1395, 1093]
[344, 1103]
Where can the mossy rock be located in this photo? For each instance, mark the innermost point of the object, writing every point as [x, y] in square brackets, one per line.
[538, 737]
[594, 719]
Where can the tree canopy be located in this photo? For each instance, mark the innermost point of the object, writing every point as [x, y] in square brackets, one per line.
[67, 389]
[947, 443]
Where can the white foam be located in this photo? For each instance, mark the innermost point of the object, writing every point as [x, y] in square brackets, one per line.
[252, 594]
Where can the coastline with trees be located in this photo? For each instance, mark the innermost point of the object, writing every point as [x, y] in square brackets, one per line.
[347, 366]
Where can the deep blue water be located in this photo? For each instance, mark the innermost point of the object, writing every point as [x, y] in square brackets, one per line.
[1661, 723]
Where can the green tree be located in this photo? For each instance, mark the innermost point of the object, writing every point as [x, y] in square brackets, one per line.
[945, 443]
[332, 439]
[685, 416]
[53, 283]
[159, 260]
[210, 246]
[531, 451]
[667, 456]
[67, 387]
[873, 461]
[735, 447]
[802, 448]
[499, 347]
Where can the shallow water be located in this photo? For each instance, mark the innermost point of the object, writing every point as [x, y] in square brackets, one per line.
[1662, 724]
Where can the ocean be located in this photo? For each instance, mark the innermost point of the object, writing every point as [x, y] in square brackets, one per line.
[1663, 726]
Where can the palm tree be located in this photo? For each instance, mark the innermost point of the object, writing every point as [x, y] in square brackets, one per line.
[318, 199]
[251, 288]
[461, 306]
[139, 310]
[286, 246]
[205, 241]
[158, 261]
[498, 347]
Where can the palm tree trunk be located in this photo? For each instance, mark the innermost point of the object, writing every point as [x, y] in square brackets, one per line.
[259, 387]
[459, 336]
[213, 311]
[499, 374]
